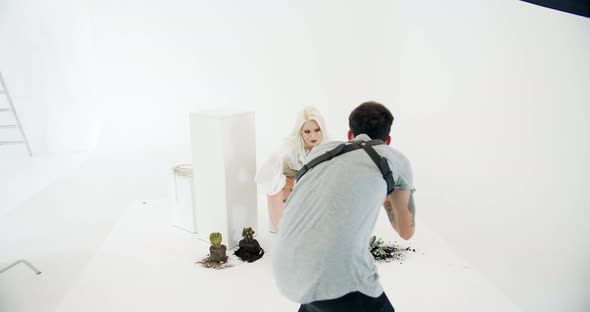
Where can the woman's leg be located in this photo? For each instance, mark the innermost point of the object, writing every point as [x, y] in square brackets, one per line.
[276, 204]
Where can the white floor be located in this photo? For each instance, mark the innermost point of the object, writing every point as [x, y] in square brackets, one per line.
[100, 235]
[21, 177]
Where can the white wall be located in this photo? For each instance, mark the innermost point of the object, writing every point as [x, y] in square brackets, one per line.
[494, 115]
[43, 57]
[161, 60]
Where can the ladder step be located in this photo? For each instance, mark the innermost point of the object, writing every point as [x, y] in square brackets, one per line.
[5, 110]
[8, 126]
[11, 142]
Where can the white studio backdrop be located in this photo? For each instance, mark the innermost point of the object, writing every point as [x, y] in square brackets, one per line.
[44, 59]
[489, 100]
[494, 111]
[160, 60]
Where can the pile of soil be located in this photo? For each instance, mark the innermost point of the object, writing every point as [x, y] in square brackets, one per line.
[249, 250]
[217, 254]
[392, 253]
[388, 252]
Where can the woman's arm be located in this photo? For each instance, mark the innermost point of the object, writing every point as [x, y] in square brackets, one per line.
[270, 177]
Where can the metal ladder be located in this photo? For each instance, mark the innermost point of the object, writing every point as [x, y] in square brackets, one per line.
[10, 109]
[32, 267]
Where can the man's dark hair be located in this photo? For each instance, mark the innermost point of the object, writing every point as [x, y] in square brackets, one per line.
[372, 119]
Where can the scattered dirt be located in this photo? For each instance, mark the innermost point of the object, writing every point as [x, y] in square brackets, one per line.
[388, 252]
[212, 264]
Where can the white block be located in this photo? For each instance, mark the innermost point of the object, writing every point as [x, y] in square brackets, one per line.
[224, 166]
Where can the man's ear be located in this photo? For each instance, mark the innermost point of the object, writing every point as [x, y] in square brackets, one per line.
[388, 140]
[350, 135]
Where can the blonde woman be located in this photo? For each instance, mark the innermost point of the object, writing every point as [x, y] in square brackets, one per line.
[276, 176]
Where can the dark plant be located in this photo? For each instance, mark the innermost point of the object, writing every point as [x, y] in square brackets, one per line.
[248, 234]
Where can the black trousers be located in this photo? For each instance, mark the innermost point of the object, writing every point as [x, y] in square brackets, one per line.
[351, 302]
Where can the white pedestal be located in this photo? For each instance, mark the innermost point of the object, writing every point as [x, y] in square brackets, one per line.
[224, 166]
[183, 213]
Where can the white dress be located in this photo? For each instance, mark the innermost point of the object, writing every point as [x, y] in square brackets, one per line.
[282, 164]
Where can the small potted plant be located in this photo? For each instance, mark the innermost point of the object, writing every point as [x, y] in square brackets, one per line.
[249, 249]
[217, 250]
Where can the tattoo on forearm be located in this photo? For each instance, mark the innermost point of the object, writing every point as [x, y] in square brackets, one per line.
[412, 209]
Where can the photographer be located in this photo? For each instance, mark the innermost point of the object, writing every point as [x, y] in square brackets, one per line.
[322, 259]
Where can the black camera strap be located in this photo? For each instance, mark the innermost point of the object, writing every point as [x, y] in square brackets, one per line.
[381, 162]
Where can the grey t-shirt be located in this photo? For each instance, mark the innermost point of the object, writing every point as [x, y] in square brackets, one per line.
[323, 244]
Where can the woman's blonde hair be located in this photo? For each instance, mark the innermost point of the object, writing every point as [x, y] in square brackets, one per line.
[296, 140]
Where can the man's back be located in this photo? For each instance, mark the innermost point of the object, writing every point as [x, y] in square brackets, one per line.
[323, 238]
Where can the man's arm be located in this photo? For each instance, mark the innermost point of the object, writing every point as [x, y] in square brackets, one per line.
[401, 213]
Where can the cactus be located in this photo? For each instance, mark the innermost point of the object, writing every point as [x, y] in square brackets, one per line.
[375, 243]
[377, 248]
[215, 239]
[248, 234]
[372, 242]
